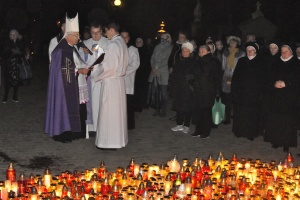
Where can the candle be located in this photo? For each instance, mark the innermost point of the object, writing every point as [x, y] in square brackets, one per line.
[136, 170]
[47, 180]
[14, 187]
[8, 184]
[167, 185]
[194, 197]
[11, 172]
[4, 193]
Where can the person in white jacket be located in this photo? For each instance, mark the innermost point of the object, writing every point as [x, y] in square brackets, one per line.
[97, 44]
[54, 41]
[133, 65]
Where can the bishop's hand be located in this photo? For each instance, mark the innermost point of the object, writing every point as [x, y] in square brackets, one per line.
[84, 71]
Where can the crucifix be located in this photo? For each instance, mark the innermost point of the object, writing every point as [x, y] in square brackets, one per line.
[67, 70]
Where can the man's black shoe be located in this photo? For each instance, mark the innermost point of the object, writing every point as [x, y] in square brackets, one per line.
[60, 138]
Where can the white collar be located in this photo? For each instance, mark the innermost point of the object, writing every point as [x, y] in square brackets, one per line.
[114, 36]
[251, 57]
[284, 60]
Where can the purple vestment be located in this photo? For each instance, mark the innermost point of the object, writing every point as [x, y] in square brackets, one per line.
[62, 108]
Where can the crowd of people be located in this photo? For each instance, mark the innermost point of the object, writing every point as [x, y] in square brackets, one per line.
[96, 85]
[259, 86]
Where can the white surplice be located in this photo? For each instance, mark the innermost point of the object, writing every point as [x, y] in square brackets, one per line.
[133, 65]
[112, 121]
[95, 86]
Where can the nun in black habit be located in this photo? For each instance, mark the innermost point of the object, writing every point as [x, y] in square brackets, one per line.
[246, 90]
[281, 126]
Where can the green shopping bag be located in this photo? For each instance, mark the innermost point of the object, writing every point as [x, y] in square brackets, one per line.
[218, 112]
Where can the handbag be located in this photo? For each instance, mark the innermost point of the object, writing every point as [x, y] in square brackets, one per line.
[218, 112]
[25, 71]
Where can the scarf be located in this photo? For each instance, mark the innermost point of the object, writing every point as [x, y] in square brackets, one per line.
[231, 56]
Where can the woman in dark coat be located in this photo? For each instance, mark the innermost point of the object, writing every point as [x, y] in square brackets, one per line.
[281, 126]
[204, 79]
[12, 55]
[246, 90]
[182, 93]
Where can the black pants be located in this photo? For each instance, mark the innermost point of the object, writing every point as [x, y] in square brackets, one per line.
[6, 92]
[183, 117]
[227, 101]
[130, 111]
[164, 98]
[203, 121]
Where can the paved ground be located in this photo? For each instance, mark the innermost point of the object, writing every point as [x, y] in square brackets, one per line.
[24, 142]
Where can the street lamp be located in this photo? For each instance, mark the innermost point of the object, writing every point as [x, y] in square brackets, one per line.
[117, 2]
[162, 25]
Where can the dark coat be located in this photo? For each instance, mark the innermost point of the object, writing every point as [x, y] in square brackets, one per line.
[175, 55]
[247, 90]
[142, 73]
[13, 53]
[205, 81]
[180, 89]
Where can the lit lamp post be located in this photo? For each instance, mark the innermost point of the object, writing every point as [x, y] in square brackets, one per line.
[161, 30]
[162, 25]
[117, 2]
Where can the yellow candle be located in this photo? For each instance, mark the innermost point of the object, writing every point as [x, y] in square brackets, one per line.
[7, 184]
[167, 187]
[47, 180]
[136, 169]
[194, 197]
[14, 187]
[278, 197]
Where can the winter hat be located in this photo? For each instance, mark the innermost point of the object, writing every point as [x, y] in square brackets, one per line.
[234, 38]
[188, 45]
[253, 45]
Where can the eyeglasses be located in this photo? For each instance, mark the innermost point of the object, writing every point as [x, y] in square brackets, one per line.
[96, 33]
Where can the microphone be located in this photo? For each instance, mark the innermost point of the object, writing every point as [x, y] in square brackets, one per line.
[82, 45]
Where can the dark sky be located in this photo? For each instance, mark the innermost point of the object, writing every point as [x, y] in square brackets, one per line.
[142, 17]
